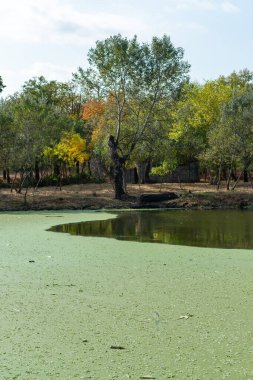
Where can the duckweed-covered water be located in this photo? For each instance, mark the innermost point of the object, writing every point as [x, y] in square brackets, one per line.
[180, 312]
[221, 229]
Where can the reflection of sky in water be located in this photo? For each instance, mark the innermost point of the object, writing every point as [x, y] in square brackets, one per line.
[221, 229]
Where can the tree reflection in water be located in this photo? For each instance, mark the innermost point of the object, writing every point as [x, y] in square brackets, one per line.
[221, 229]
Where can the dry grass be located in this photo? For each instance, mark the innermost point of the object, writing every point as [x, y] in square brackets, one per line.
[95, 196]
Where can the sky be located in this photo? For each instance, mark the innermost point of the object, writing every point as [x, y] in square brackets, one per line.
[52, 37]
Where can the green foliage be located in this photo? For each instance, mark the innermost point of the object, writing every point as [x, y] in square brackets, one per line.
[1, 84]
[199, 116]
[167, 167]
[198, 108]
[230, 140]
[8, 133]
[53, 180]
[132, 79]
[137, 95]
[35, 119]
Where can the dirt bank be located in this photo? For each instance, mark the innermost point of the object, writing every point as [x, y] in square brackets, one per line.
[101, 196]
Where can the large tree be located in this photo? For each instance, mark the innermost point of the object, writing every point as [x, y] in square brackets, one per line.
[135, 78]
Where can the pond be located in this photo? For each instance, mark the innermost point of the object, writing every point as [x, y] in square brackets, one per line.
[213, 228]
[180, 312]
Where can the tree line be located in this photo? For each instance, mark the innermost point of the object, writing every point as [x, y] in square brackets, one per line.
[134, 103]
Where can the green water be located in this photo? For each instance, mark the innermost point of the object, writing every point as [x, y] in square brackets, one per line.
[219, 229]
[66, 300]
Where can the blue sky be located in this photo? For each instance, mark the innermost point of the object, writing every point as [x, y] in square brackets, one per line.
[52, 37]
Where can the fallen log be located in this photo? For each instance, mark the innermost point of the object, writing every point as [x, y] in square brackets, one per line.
[157, 197]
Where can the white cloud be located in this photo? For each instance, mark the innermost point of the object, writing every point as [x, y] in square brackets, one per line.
[204, 5]
[228, 7]
[14, 79]
[49, 71]
[55, 22]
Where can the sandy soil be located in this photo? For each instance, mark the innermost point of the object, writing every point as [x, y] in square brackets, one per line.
[179, 312]
[98, 196]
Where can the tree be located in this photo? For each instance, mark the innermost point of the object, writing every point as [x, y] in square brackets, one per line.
[196, 111]
[136, 78]
[230, 141]
[8, 135]
[238, 81]
[43, 111]
[70, 150]
[1, 84]
[199, 120]
[34, 119]
[167, 167]
[222, 149]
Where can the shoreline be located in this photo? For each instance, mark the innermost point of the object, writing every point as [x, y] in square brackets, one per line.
[101, 197]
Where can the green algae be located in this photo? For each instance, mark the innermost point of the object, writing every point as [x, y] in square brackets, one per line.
[65, 300]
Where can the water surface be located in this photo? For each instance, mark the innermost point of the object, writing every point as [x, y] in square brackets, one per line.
[66, 300]
[220, 229]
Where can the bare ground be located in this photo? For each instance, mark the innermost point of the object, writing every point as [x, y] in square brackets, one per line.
[98, 196]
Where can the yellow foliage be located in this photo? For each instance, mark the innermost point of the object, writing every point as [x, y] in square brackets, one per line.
[200, 106]
[71, 149]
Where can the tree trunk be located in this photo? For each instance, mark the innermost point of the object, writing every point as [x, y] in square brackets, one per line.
[88, 168]
[229, 177]
[136, 178]
[77, 168]
[245, 175]
[117, 168]
[118, 179]
[237, 181]
[4, 174]
[250, 178]
[147, 171]
[37, 171]
[56, 170]
[124, 180]
[219, 176]
[141, 170]
[8, 175]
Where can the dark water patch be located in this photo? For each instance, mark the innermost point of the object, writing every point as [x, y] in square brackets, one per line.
[217, 229]
[54, 216]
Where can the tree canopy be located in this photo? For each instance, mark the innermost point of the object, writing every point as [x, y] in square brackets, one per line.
[134, 79]
[133, 106]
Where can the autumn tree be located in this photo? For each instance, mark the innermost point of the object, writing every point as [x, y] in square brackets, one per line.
[93, 114]
[71, 150]
[136, 77]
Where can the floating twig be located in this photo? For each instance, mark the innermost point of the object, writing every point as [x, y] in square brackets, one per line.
[117, 348]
